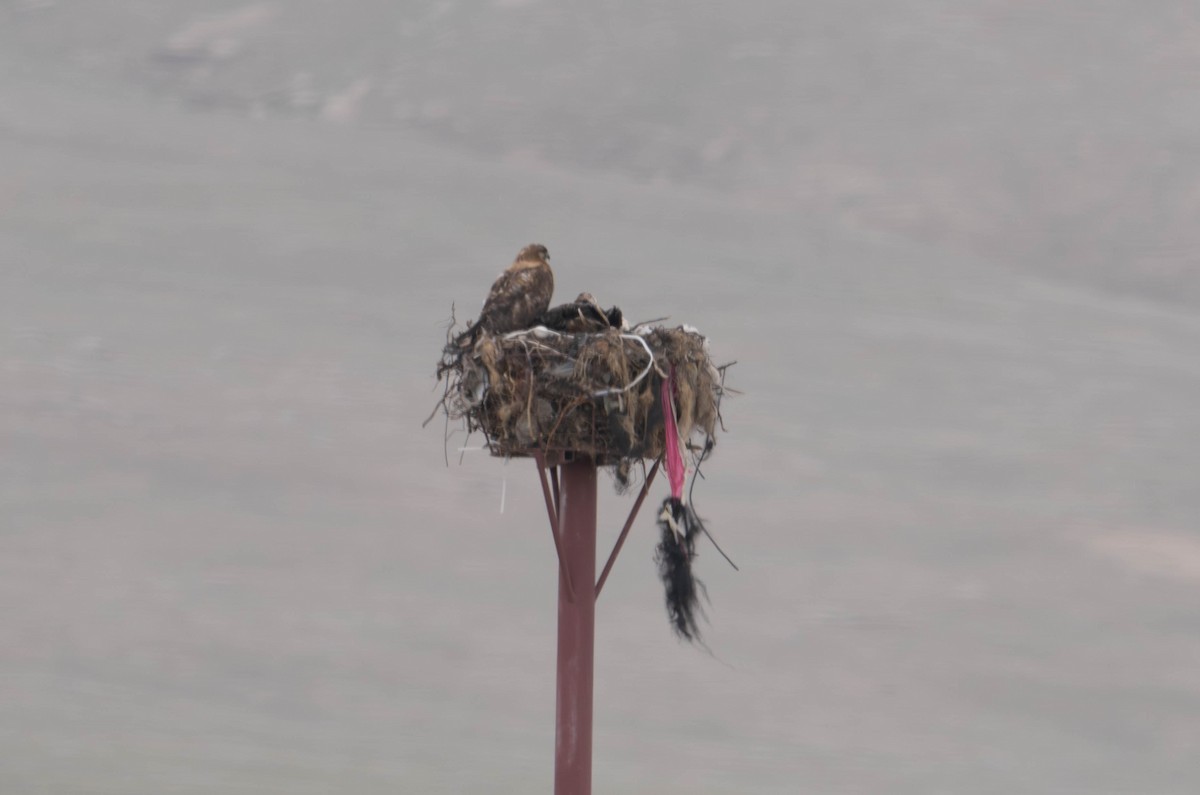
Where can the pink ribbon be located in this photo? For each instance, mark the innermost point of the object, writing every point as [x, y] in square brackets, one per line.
[675, 468]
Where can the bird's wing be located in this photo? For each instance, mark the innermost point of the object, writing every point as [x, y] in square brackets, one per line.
[515, 301]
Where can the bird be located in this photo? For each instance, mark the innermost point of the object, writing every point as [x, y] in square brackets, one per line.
[583, 316]
[521, 294]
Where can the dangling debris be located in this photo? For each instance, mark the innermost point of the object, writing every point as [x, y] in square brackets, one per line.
[679, 527]
[674, 554]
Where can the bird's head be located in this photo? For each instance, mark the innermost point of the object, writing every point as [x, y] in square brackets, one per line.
[534, 252]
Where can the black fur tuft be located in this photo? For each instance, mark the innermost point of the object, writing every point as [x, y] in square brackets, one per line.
[674, 555]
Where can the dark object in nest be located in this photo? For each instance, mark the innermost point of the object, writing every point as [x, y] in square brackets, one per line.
[581, 316]
[676, 550]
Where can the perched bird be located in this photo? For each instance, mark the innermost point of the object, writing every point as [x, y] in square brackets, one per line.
[521, 294]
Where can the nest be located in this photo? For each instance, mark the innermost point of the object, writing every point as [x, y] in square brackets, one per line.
[563, 392]
[579, 384]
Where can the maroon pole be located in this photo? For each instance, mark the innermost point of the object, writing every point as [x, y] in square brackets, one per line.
[576, 631]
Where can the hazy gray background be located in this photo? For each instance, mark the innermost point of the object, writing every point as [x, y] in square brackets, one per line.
[953, 246]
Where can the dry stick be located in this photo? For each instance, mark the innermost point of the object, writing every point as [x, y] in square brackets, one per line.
[721, 393]
[704, 453]
[529, 401]
[462, 451]
[637, 326]
[724, 388]
[537, 344]
[441, 404]
[446, 389]
[574, 404]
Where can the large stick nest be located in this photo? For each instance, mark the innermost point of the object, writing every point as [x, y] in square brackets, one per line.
[595, 393]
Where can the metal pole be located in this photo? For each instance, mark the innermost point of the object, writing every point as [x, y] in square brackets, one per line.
[576, 631]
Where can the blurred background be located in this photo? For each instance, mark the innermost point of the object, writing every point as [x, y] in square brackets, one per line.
[952, 246]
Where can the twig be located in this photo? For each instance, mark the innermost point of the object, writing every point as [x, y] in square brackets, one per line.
[641, 375]
[540, 330]
[637, 326]
[704, 453]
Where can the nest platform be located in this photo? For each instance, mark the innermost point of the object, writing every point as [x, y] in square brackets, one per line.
[562, 394]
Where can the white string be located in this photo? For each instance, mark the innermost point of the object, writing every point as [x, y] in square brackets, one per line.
[542, 331]
[641, 375]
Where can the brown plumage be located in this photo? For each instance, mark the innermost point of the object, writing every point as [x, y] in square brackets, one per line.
[521, 294]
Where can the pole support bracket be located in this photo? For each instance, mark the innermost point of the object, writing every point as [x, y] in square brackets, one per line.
[553, 512]
[633, 512]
